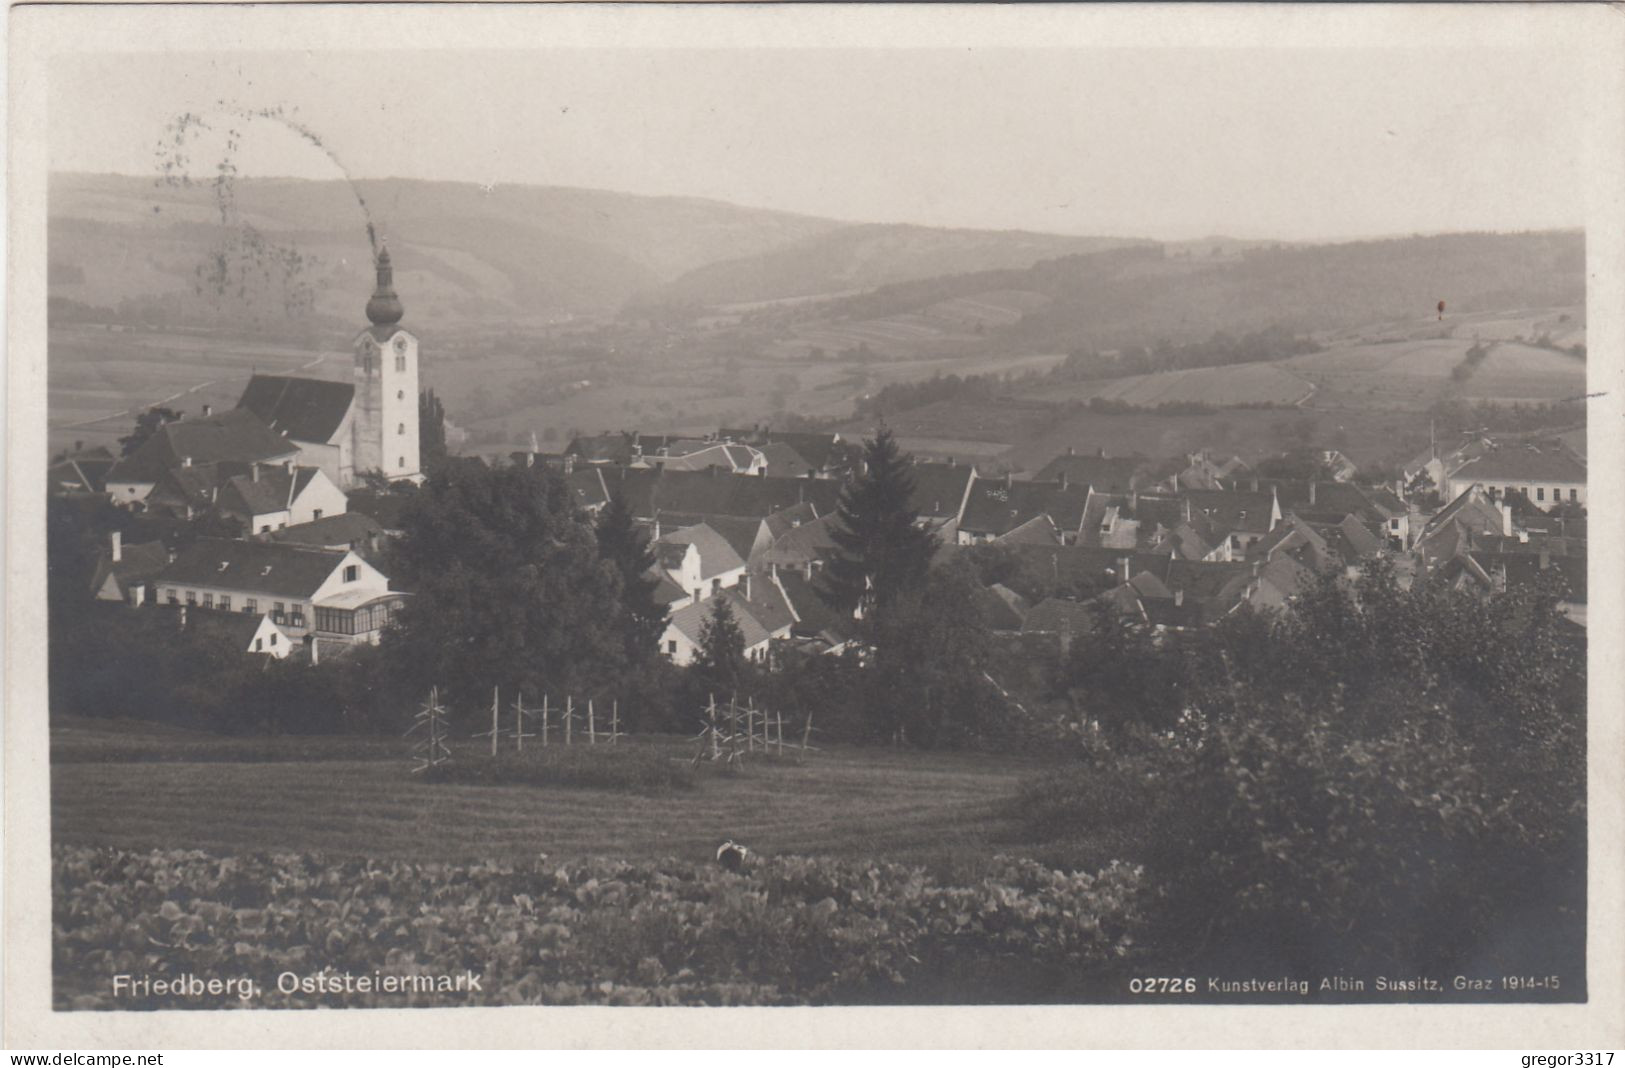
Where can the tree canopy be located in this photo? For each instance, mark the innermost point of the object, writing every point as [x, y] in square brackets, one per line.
[879, 552]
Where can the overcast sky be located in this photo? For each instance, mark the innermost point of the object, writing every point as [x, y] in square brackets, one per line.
[1172, 143]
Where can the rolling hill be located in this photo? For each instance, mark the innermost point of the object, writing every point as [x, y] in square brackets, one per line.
[251, 250]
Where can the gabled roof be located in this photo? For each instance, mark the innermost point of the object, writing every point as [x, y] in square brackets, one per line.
[269, 493]
[84, 471]
[997, 507]
[802, 545]
[235, 436]
[1056, 615]
[716, 555]
[815, 617]
[1522, 464]
[234, 630]
[670, 555]
[1039, 530]
[668, 592]
[768, 604]
[1229, 510]
[939, 489]
[738, 532]
[306, 409]
[1105, 474]
[716, 492]
[690, 620]
[346, 528]
[819, 450]
[785, 520]
[1286, 574]
[784, 461]
[261, 567]
[587, 484]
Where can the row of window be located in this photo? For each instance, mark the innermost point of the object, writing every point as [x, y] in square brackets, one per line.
[361, 621]
[251, 605]
[1557, 494]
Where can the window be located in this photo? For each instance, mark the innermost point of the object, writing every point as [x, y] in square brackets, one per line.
[251, 605]
[716, 584]
[352, 572]
[671, 647]
[400, 363]
[273, 639]
[173, 598]
[208, 600]
[258, 644]
[1574, 494]
[400, 428]
[402, 462]
[191, 597]
[225, 602]
[276, 611]
[400, 394]
[1540, 493]
[316, 514]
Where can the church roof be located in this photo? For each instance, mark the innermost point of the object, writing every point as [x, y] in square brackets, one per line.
[306, 409]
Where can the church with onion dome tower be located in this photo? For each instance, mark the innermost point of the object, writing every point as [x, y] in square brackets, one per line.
[366, 425]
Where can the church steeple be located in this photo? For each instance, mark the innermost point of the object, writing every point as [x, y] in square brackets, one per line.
[384, 308]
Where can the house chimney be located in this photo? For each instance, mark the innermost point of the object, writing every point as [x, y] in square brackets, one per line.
[1311, 491]
[1070, 451]
[186, 461]
[746, 581]
[1008, 478]
[254, 469]
[1545, 559]
[181, 616]
[117, 541]
[1506, 518]
[79, 446]
[169, 555]
[315, 651]
[1179, 597]
[1255, 483]
[1123, 563]
[1063, 479]
[208, 410]
[1101, 452]
[287, 465]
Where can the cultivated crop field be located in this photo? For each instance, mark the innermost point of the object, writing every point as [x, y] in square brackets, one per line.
[97, 378]
[1414, 374]
[1237, 384]
[357, 797]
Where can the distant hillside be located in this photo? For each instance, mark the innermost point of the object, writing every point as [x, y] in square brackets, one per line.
[1151, 296]
[163, 254]
[866, 256]
[462, 250]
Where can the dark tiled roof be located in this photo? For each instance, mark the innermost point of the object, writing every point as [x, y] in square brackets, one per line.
[716, 492]
[1106, 474]
[784, 461]
[269, 493]
[1517, 464]
[767, 603]
[1230, 511]
[306, 409]
[1056, 615]
[716, 555]
[347, 528]
[816, 616]
[137, 564]
[739, 533]
[939, 489]
[233, 629]
[235, 436]
[252, 566]
[996, 507]
[691, 619]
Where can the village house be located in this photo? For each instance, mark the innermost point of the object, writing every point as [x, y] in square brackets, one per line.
[124, 572]
[239, 632]
[348, 530]
[1101, 473]
[698, 561]
[273, 498]
[760, 607]
[998, 507]
[81, 472]
[1547, 476]
[311, 594]
[185, 458]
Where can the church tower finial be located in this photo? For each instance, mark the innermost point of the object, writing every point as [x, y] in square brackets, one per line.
[384, 307]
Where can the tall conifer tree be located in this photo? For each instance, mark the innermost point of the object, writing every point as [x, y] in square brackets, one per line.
[880, 553]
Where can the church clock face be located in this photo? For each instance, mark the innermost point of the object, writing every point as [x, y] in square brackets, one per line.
[400, 345]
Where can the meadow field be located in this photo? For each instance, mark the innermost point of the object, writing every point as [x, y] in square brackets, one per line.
[1237, 384]
[140, 788]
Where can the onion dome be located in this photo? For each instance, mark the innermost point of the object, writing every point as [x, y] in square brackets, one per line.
[384, 309]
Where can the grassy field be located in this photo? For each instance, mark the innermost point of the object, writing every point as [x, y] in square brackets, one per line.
[1244, 383]
[357, 797]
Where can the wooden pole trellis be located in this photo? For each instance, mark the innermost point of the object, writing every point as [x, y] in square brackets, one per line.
[519, 714]
[569, 719]
[496, 732]
[430, 721]
[545, 725]
[592, 729]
